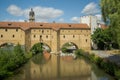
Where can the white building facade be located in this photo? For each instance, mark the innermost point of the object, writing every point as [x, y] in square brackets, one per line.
[91, 21]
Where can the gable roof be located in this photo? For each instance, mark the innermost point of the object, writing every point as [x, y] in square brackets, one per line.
[28, 25]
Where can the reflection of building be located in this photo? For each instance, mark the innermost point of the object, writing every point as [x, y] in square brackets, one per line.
[53, 34]
[60, 69]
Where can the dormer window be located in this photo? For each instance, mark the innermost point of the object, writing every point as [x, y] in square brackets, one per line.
[9, 24]
[69, 25]
[41, 25]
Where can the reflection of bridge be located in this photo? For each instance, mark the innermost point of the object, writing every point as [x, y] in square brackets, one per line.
[55, 35]
[57, 68]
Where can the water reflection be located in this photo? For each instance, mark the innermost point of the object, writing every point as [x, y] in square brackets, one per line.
[57, 68]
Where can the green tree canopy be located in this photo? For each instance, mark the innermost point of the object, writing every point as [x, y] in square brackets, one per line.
[111, 15]
[102, 38]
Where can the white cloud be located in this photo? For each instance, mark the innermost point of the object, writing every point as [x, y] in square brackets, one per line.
[91, 8]
[14, 10]
[75, 19]
[61, 20]
[11, 20]
[99, 18]
[41, 13]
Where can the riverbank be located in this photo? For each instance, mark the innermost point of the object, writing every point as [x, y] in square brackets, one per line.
[108, 66]
[10, 60]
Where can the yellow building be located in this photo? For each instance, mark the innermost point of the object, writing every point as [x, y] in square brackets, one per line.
[55, 35]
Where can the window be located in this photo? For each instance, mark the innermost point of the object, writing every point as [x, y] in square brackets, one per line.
[64, 36]
[40, 36]
[1, 35]
[41, 25]
[34, 36]
[6, 30]
[16, 30]
[86, 40]
[69, 25]
[47, 36]
[73, 36]
[42, 31]
[9, 24]
[13, 36]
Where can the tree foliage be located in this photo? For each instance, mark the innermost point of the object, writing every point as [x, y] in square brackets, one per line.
[11, 60]
[103, 38]
[37, 48]
[111, 15]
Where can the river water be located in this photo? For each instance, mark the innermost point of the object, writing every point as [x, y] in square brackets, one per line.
[59, 68]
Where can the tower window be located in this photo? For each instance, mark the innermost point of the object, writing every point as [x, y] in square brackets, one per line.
[13, 36]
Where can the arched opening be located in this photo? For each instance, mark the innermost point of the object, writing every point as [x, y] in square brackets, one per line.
[7, 46]
[40, 47]
[69, 47]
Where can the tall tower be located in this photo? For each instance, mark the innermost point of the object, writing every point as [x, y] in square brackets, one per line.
[91, 21]
[31, 16]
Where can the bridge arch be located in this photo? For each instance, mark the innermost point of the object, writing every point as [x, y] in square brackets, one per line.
[7, 44]
[69, 47]
[44, 46]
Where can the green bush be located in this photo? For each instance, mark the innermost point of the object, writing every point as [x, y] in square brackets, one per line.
[11, 60]
[37, 48]
[117, 74]
[79, 52]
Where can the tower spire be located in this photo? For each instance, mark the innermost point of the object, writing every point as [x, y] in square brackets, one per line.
[31, 16]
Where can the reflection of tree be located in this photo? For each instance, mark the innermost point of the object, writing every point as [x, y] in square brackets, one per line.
[39, 59]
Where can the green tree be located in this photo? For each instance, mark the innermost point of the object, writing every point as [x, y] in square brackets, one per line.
[111, 15]
[102, 38]
[37, 48]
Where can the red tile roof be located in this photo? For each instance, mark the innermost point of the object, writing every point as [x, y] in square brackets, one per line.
[103, 26]
[28, 25]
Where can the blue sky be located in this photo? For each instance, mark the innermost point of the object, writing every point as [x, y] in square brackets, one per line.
[48, 10]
